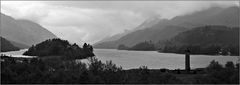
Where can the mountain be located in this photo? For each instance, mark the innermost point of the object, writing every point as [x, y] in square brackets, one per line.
[206, 40]
[110, 42]
[151, 21]
[6, 45]
[153, 35]
[143, 35]
[106, 45]
[221, 35]
[146, 24]
[19, 45]
[212, 16]
[23, 32]
[166, 29]
[113, 38]
[142, 46]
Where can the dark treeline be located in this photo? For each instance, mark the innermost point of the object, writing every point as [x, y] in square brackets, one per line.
[58, 47]
[209, 40]
[143, 46]
[198, 49]
[58, 71]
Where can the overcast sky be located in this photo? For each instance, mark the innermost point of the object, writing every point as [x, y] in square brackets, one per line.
[91, 21]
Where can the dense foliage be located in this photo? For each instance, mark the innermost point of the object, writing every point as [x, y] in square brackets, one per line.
[143, 46]
[6, 45]
[210, 40]
[217, 74]
[58, 47]
[58, 71]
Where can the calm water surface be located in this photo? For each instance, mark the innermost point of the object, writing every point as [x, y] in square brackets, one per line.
[156, 60]
[152, 59]
[17, 53]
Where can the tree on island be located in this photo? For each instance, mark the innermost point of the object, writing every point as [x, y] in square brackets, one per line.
[142, 46]
[58, 47]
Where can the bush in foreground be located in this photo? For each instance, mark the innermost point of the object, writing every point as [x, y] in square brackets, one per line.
[57, 71]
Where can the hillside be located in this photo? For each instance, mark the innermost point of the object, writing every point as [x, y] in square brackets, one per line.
[150, 34]
[6, 45]
[106, 42]
[212, 16]
[206, 40]
[209, 34]
[23, 31]
[143, 35]
[142, 46]
[19, 45]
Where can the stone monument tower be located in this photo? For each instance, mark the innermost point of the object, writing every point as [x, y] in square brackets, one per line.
[187, 60]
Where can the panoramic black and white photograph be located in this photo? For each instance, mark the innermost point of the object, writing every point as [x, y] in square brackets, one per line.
[119, 42]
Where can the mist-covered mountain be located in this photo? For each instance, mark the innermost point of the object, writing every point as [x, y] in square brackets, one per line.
[166, 29]
[6, 45]
[146, 24]
[110, 42]
[212, 16]
[112, 38]
[23, 32]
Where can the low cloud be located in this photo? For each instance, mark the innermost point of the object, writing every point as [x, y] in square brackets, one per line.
[73, 23]
[83, 21]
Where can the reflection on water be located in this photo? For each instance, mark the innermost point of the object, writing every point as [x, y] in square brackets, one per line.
[152, 59]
